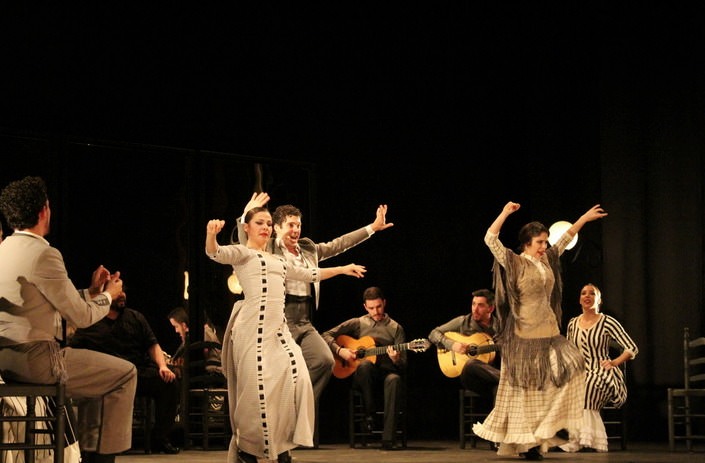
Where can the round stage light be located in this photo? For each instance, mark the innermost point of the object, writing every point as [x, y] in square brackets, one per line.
[234, 284]
[556, 231]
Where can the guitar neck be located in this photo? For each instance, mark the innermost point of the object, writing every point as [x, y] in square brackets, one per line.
[381, 350]
[478, 350]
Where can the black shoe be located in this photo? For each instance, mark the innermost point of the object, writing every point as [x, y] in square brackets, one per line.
[244, 457]
[387, 445]
[284, 457]
[369, 424]
[166, 447]
[533, 454]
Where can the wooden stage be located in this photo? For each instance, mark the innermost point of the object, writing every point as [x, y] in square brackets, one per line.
[437, 452]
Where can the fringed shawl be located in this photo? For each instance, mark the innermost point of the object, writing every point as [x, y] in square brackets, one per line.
[527, 362]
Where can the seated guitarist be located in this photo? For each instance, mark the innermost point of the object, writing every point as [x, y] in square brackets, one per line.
[477, 375]
[374, 371]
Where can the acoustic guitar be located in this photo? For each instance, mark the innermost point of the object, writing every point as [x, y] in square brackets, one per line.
[365, 348]
[480, 347]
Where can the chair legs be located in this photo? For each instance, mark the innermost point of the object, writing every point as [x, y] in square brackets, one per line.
[671, 425]
[143, 421]
[686, 417]
[686, 404]
[208, 418]
[357, 422]
[615, 425]
[469, 412]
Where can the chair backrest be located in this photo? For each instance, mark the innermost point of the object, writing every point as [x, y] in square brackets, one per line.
[201, 363]
[693, 361]
[43, 428]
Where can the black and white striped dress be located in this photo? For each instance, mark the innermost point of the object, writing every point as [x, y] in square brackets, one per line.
[602, 385]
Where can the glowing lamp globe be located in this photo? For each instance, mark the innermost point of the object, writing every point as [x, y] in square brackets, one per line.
[556, 231]
[234, 284]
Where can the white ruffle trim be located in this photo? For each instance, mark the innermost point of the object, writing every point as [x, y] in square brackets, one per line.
[592, 434]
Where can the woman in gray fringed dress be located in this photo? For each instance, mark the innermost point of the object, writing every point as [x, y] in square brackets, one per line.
[542, 376]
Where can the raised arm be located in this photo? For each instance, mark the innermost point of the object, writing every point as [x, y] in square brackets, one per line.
[257, 200]
[352, 270]
[103, 281]
[594, 213]
[380, 222]
[508, 209]
[212, 229]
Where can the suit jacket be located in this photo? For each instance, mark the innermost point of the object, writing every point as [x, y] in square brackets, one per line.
[313, 253]
[36, 292]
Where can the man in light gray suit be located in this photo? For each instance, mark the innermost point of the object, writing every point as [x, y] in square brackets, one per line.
[35, 295]
[302, 298]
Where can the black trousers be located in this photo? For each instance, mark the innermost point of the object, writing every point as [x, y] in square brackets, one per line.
[166, 399]
[369, 376]
[480, 377]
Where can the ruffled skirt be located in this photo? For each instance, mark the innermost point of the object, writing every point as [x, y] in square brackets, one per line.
[592, 434]
[527, 417]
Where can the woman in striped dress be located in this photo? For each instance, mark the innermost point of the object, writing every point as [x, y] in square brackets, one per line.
[593, 332]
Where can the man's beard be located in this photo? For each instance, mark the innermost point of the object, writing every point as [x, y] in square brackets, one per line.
[118, 306]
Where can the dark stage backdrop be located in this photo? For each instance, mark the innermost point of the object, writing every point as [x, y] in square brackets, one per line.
[148, 122]
[142, 210]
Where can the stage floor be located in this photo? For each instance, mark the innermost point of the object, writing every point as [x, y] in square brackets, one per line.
[437, 452]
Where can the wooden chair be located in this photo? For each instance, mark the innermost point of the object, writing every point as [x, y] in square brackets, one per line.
[51, 420]
[358, 434]
[472, 408]
[143, 422]
[686, 405]
[614, 418]
[207, 409]
[615, 424]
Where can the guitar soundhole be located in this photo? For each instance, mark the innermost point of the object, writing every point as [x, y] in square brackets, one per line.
[472, 350]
